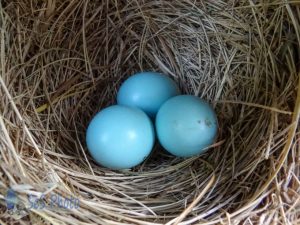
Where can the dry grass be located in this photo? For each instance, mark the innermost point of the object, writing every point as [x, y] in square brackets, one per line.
[62, 61]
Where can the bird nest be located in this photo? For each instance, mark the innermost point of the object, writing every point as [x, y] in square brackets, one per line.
[62, 61]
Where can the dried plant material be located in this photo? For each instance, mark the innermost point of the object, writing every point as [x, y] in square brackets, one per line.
[62, 61]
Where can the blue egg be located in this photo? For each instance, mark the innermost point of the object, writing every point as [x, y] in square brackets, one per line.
[186, 125]
[147, 91]
[120, 137]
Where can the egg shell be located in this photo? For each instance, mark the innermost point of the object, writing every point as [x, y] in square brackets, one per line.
[186, 125]
[147, 91]
[120, 137]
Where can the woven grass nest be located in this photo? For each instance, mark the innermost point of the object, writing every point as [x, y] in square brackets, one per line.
[62, 61]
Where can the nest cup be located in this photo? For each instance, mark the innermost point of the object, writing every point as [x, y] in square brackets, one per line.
[62, 61]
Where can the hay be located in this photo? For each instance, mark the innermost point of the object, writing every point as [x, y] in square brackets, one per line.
[62, 61]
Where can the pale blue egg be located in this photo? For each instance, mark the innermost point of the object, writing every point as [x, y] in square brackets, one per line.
[120, 137]
[186, 125]
[147, 91]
